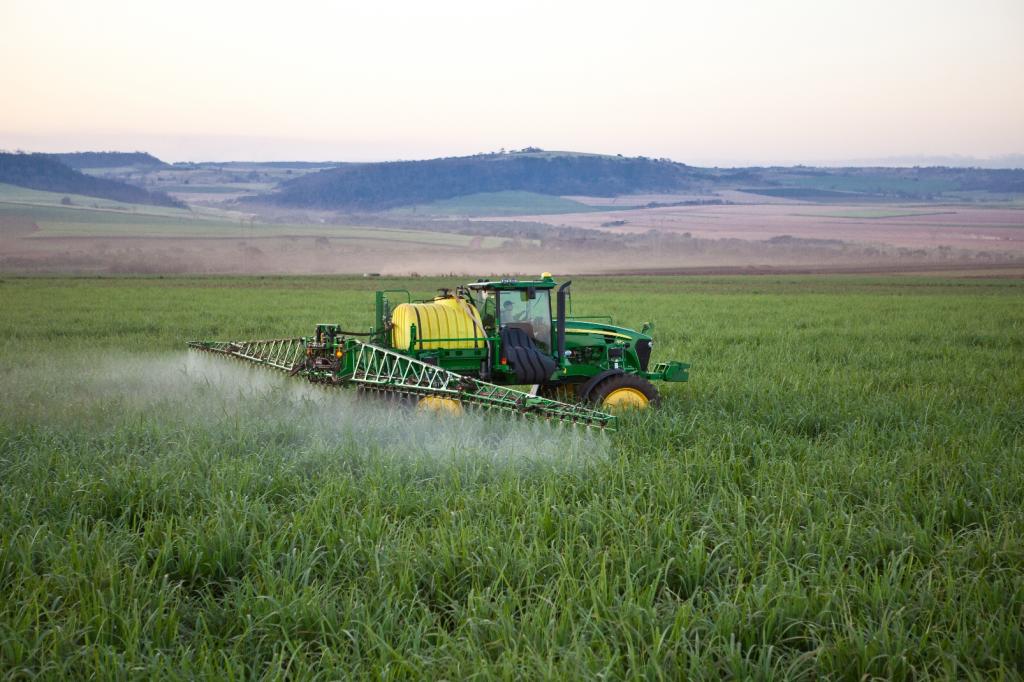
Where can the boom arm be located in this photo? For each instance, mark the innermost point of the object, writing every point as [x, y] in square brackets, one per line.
[386, 371]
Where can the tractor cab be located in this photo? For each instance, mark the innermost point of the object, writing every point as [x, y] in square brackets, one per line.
[518, 314]
[513, 304]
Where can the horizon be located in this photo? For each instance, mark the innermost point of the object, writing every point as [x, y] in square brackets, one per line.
[791, 83]
[1011, 161]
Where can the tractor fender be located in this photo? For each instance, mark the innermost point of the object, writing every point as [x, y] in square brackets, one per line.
[586, 388]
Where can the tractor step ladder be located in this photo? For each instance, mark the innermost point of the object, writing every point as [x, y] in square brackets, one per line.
[383, 371]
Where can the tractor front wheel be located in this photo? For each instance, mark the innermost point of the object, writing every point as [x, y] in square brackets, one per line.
[624, 392]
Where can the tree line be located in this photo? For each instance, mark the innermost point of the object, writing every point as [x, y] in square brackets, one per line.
[46, 173]
[376, 186]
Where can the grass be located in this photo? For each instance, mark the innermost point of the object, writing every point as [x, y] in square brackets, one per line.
[883, 183]
[55, 220]
[874, 214]
[212, 189]
[506, 203]
[22, 198]
[836, 493]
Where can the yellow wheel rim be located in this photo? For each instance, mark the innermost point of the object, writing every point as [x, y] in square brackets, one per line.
[626, 398]
[433, 403]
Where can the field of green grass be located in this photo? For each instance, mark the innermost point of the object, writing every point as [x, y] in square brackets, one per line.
[91, 217]
[838, 492]
[875, 214]
[213, 189]
[870, 183]
[22, 198]
[507, 203]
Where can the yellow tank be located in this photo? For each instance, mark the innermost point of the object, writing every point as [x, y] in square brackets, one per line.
[442, 318]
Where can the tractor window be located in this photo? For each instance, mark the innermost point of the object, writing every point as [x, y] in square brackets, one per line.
[531, 315]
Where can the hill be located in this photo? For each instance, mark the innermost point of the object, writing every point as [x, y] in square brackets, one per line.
[45, 172]
[506, 203]
[928, 183]
[532, 172]
[80, 160]
[376, 186]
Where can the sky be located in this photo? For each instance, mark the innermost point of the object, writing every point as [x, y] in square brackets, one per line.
[729, 82]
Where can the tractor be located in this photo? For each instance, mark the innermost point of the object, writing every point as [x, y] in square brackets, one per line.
[472, 345]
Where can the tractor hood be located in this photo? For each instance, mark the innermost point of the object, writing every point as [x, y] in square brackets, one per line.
[609, 331]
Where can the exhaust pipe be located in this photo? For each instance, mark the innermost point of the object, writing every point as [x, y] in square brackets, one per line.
[562, 290]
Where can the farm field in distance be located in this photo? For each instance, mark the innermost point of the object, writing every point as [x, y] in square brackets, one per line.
[499, 212]
[47, 232]
[921, 226]
[98, 236]
[837, 492]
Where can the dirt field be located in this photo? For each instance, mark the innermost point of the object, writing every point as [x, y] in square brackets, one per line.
[216, 255]
[975, 271]
[309, 255]
[907, 226]
[746, 238]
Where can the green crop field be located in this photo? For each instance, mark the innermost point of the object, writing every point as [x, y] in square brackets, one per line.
[880, 183]
[214, 189]
[89, 217]
[22, 198]
[874, 214]
[506, 203]
[838, 492]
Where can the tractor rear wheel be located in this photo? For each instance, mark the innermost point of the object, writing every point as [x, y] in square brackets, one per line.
[624, 392]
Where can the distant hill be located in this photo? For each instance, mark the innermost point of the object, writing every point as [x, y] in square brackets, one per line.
[45, 172]
[80, 160]
[296, 165]
[927, 183]
[533, 172]
[376, 186]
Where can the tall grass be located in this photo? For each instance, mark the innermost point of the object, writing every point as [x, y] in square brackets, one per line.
[836, 493]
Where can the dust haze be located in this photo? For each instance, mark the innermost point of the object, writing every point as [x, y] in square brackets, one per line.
[188, 395]
[667, 249]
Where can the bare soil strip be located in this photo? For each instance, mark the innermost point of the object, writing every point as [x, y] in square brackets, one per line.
[974, 270]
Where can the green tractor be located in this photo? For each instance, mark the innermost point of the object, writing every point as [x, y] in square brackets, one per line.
[471, 346]
[510, 332]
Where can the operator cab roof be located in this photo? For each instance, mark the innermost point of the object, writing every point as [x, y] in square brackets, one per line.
[545, 282]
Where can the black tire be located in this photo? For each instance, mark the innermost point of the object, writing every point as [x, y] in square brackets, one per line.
[600, 393]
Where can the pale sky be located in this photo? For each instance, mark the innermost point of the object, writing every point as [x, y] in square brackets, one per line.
[716, 82]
